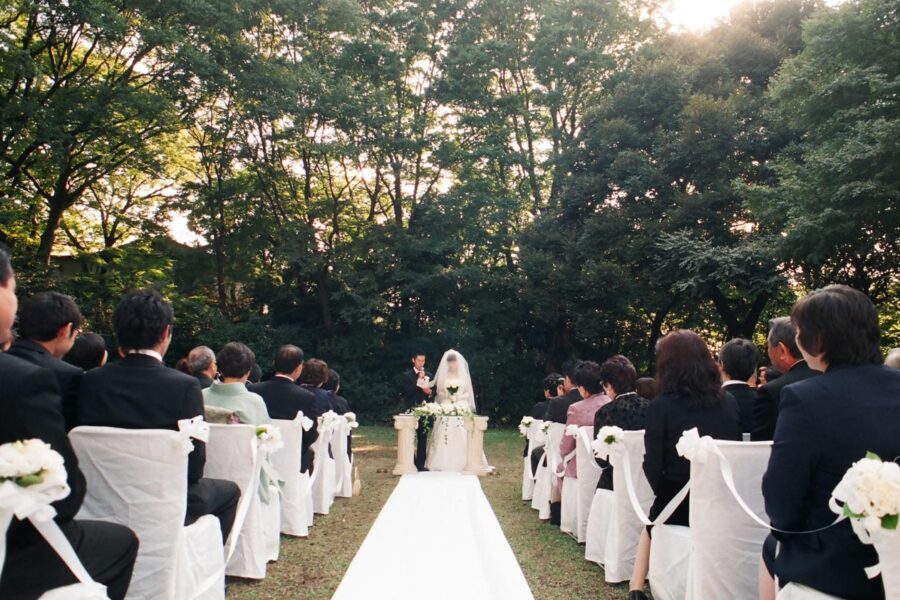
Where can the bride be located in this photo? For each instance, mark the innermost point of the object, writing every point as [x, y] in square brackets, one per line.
[452, 386]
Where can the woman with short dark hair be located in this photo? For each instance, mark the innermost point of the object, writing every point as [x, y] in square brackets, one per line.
[825, 424]
[690, 396]
[235, 361]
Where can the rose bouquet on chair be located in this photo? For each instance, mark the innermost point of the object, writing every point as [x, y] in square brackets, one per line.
[524, 425]
[869, 495]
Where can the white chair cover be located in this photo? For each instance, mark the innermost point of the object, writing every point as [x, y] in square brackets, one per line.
[271, 513]
[568, 515]
[343, 465]
[546, 476]
[601, 513]
[887, 544]
[138, 478]
[624, 530]
[534, 435]
[670, 554]
[232, 454]
[323, 477]
[726, 543]
[588, 476]
[794, 591]
[296, 500]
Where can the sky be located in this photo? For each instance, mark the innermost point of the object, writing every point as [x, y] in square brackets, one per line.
[696, 15]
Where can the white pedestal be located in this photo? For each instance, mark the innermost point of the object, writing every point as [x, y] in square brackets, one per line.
[406, 426]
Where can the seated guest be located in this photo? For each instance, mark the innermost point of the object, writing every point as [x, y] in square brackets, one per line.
[646, 388]
[786, 358]
[312, 378]
[333, 387]
[140, 392]
[235, 361]
[255, 374]
[691, 396]
[589, 380]
[738, 360]
[539, 411]
[893, 359]
[182, 366]
[284, 398]
[88, 352]
[48, 325]
[558, 407]
[825, 424]
[202, 363]
[628, 409]
[764, 376]
[30, 409]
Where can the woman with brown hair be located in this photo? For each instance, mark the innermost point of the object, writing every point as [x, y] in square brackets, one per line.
[691, 396]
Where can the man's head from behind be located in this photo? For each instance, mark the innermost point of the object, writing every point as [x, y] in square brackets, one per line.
[51, 319]
[738, 360]
[143, 320]
[782, 344]
[289, 361]
[202, 361]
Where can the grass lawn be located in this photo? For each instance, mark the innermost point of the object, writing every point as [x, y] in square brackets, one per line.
[311, 568]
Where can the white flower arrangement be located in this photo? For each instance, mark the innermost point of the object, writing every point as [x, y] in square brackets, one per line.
[572, 430]
[525, 425]
[306, 423]
[351, 420]
[870, 495]
[545, 428]
[35, 467]
[328, 420]
[606, 438]
[268, 438]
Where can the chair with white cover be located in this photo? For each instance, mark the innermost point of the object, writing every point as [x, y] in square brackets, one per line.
[296, 501]
[546, 475]
[726, 542]
[588, 476]
[322, 482]
[138, 478]
[624, 526]
[535, 437]
[670, 555]
[793, 591]
[568, 514]
[232, 454]
[343, 464]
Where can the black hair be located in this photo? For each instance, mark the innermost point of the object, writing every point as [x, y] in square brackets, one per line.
[87, 351]
[739, 358]
[782, 331]
[685, 368]
[552, 383]
[841, 324]
[288, 358]
[416, 353]
[44, 314]
[646, 388]
[235, 360]
[334, 380]
[6, 270]
[569, 367]
[618, 372]
[588, 376]
[255, 374]
[141, 318]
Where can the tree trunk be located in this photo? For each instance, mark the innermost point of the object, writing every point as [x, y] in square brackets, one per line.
[324, 300]
[48, 237]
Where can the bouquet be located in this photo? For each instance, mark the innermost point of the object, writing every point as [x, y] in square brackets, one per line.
[606, 438]
[351, 419]
[870, 493]
[545, 428]
[268, 438]
[328, 420]
[34, 466]
[525, 425]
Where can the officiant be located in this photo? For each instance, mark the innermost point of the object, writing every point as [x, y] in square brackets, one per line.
[415, 390]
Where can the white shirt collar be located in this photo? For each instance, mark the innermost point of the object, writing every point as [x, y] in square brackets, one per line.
[148, 352]
[284, 377]
[734, 382]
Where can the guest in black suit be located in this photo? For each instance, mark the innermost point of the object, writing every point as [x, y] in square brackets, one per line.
[539, 410]
[48, 325]
[88, 352]
[691, 396]
[825, 424]
[786, 358]
[201, 361]
[341, 406]
[414, 395]
[140, 392]
[30, 408]
[738, 360]
[283, 398]
[558, 407]
[627, 410]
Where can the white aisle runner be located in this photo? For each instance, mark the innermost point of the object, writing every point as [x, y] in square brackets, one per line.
[436, 538]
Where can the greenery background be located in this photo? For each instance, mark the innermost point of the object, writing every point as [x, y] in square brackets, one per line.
[522, 180]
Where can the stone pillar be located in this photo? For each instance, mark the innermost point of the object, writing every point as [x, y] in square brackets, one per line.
[406, 428]
[476, 427]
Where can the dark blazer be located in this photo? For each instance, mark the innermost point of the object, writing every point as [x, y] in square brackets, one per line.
[746, 397]
[825, 424]
[341, 406]
[322, 399]
[68, 377]
[765, 411]
[558, 408]
[539, 410]
[139, 392]
[30, 407]
[205, 381]
[412, 394]
[283, 399]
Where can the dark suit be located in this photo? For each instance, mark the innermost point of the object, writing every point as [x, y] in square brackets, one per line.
[825, 424]
[558, 408]
[322, 399]
[765, 411]
[538, 412]
[205, 381]
[746, 397]
[140, 392]
[283, 399]
[67, 376]
[30, 408]
[412, 396]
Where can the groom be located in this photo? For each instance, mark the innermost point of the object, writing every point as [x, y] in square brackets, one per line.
[413, 395]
